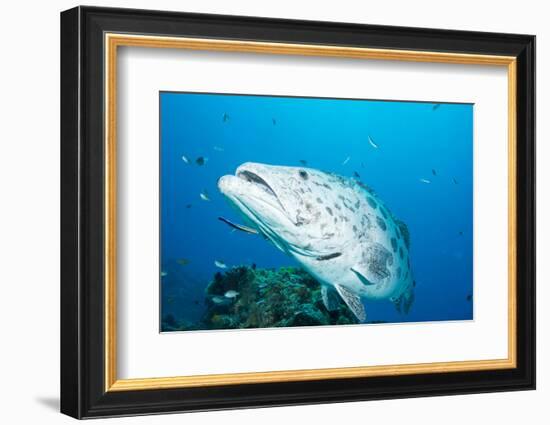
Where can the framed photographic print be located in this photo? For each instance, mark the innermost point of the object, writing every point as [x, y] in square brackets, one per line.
[261, 212]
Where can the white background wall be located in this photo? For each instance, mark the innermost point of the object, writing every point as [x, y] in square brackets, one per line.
[29, 209]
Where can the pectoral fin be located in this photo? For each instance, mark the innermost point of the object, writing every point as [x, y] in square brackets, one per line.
[353, 302]
[329, 298]
[361, 275]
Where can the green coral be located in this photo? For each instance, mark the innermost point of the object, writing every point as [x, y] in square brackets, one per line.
[267, 298]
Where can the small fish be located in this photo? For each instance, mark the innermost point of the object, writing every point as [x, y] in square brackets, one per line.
[346, 160]
[425, 181]
[225, 117]
[188, 205]
[253, 266]
[238, 226]
[461, 233]
[163, 274]
[469, 297]
[436, 106]
[185, 159]
[374, 145]
[433, 172]
[303, 162]
[356, 175]
[218, 149]
[216, 299]
[204, 196]
[220, 264]
[274, 121]
[183, 261]
[454, 181]
[201, 160]
[231, 294]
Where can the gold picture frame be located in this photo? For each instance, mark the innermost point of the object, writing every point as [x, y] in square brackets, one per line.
[114, 29]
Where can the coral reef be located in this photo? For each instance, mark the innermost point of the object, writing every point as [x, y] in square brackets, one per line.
[246, 297]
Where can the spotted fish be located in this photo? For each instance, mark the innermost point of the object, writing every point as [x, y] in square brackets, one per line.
[337, 228]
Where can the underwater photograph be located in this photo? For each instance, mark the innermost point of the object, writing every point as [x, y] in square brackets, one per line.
[280, 211]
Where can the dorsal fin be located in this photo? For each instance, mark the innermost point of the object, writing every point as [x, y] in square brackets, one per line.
[353, 302]
[405, 232]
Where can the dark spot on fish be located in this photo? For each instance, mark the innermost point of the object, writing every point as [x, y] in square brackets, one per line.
[356, 175]
[401, 252]
[397, 233]
[357, 204]
[323, 225]
[354, 228]
[338, 207]
[393, 244]
[328, 256]
[381, 223]
[329, 210]
[469, 297]
[390, 259]
[327, 186]
[335, 220]
[365, 221]
[399, 273]
[404, 232]
[302, 191]
[303, 174]
[348, 207]
[372, 202]
[319, 200]
[384, 213]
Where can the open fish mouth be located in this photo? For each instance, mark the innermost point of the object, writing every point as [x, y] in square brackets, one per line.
[256, 180]
[251, 174]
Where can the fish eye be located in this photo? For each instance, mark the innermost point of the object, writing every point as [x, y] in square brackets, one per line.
[303, 174]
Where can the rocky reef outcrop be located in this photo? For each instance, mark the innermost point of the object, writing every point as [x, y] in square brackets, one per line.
[247, 297]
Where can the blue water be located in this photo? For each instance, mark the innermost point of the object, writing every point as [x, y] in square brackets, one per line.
[413, 139]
